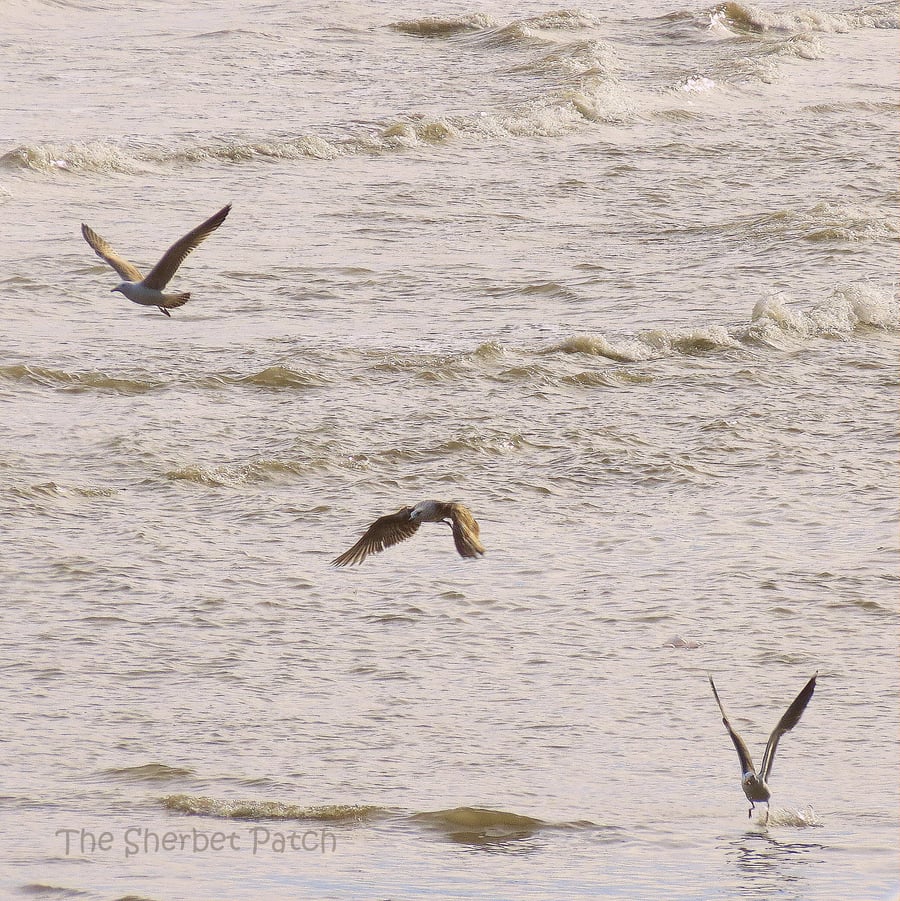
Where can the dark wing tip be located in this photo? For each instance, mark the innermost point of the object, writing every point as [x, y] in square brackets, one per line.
[348, 558]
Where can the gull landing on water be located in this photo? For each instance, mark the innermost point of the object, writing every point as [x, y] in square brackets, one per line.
[149, 291]
[753, 782]
[396, 527]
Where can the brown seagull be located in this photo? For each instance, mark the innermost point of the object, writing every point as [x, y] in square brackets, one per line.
[753, 782]
[149, 291]
[396, 527]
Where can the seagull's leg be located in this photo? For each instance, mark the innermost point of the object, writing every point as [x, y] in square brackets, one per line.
[750, 811]
[164, 310]
[767, 814]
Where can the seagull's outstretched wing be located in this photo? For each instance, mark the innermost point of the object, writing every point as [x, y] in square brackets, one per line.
[785, 724]
[100, 247]
[740, 747]
[162, 272]
[465, 531]
[384, 532]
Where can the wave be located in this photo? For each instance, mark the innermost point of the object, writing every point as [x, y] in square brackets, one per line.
[273, 377]
[775, 322]
[436, 27]
[844, 312]
[112, 157]
[550, 115]
[742, 18]
[273, 810]
[822, 222]
[479, 824]
[148, 772]
[77, 381]
[278, 377]
[476, 825]
[236, 476]
[53, 489]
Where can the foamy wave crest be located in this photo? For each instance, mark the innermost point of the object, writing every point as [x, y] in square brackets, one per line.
[847, 309]
[696, 84]
[592, 57]
[801, 46]
[631, 350]
[563, 20]
[237, 476]
[773, 323]
[822, 222]
[745, 17]
[55, 490]
[651, 345]
[77, 381]
[100, 156]
[827, 222]
[437, 27]
[272, 810]
[491, 445]
[97, 156]
[237, 151]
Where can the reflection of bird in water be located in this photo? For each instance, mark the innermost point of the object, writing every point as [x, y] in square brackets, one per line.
[149, 291]
[752, 781]
[396, 527]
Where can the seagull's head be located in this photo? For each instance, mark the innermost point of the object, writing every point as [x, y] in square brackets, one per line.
[754, 788]
[118, 288]
[426, 511]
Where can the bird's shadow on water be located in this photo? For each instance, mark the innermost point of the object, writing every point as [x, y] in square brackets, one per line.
[768, 863]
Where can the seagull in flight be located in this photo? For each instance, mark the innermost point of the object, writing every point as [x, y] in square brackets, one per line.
[752, 781]
[396, 527]
[149, 291]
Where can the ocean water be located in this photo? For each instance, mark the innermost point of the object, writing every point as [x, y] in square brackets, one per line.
[620, 278]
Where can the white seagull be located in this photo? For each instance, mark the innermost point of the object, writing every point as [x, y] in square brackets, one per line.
[752, 781]
[149, 291]
[396, 527]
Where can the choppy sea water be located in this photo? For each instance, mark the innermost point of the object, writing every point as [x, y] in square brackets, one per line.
[621, 279]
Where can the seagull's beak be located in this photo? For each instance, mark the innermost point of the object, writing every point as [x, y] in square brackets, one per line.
[113, 290]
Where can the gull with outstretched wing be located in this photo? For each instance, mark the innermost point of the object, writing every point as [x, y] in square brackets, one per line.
[149, 291]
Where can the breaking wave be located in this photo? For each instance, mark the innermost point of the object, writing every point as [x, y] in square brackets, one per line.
[437, 27]
[774, 322]
[273, 810]
[742, 18]
[238, 475]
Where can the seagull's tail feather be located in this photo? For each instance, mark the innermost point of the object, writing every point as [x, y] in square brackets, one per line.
[171, 301]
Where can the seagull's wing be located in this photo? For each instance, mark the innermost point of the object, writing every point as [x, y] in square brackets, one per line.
[126, 271]
[162, 272]
[740, 747]
[785, 724]
[384, 532]
[465, 531]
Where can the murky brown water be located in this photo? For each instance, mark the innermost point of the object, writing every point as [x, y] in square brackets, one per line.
[621, 279]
